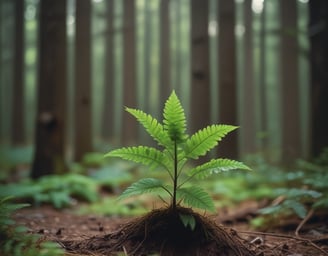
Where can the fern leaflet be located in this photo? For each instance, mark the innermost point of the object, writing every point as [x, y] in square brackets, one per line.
[216, 166]
[152, 126]
[204, 140]
[143, 186]
[145, 155]
[196, 197]
[174, 119]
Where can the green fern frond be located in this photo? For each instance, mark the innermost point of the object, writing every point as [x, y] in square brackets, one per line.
[152, 126]
[216, 166]
[196, 197]
[144, 155]
[143, 186]
[206, 139]
[174, 119]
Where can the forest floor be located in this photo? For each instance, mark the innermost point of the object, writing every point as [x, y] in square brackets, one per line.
[291, 237]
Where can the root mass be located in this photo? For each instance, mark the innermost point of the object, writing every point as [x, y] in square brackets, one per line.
[162, 232]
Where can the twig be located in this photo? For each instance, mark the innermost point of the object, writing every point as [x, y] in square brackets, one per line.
[125, 252]
[307, 217]
[288, 237]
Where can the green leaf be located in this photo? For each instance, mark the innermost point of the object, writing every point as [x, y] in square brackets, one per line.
[297, 207]
[188, 220]
[148, 185]
[174, 119]
[216, 166]
[206, 139]
[152, 126]
[196, 197]
[145, 155]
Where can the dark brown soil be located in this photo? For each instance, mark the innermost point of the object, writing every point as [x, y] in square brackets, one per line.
[94, 235]
[161, 231]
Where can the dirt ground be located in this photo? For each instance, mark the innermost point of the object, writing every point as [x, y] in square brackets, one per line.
[280, 240]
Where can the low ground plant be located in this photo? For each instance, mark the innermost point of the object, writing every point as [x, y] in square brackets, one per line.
[176, 229]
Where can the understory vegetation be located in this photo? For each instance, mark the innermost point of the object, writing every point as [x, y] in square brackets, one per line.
[301, 188]
[14, 239]
[98, 181]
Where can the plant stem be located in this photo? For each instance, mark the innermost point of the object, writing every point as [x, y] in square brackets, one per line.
[175, 180]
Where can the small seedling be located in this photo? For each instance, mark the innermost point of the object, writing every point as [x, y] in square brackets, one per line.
[173, 230]
[177, 149]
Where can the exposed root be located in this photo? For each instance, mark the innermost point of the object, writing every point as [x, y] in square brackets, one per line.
[161, 231]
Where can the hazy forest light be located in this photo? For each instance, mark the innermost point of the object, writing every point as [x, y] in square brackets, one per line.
[30, 12]
[212, 28]
[257, 6]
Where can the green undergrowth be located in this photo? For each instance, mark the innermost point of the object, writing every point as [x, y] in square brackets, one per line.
[13, 158]
[293, 191]
[68, 189]
[14, 239]
[110, 206]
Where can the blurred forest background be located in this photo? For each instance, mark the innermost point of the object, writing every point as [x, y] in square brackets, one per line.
[69, 67]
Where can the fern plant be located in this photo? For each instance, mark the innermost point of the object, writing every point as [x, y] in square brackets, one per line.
[176, 148]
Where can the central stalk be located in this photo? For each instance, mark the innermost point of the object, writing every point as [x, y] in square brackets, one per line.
[175, 177]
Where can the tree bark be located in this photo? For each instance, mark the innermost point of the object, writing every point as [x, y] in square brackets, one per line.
[83, 98]
[165, 74]
[147, 56]
[291, 135]
[17, 122]
[49, 154]
[129, 129]
[248, 145]
[262, 81]
[227, 76]
[318, 31]
[109, 87]
[200, 66]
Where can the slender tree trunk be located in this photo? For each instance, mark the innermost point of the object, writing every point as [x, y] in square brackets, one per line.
[248, 92]
[291, 135]
[318, 31]
[129, 129]
[1, 78]
[165, 74]
[200, 76]
[227, 76]
[83, 128]
[8, 30]
[52, 80]
[178, 54]
[147, 55]
[262, 80]
[109, 87]
[17, 122]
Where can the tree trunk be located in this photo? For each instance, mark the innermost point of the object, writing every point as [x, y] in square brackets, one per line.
[165, 74]
[109, 87]
[129, 129]
[227, 76]
[7, 51]
[147, 56]
[248, 145]
[2, 89]
[17, 122]
[178, 54]
[318, 32]
[82, 116]
[200, 76]
[291, 135]
[262, 81]
[52, 80]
